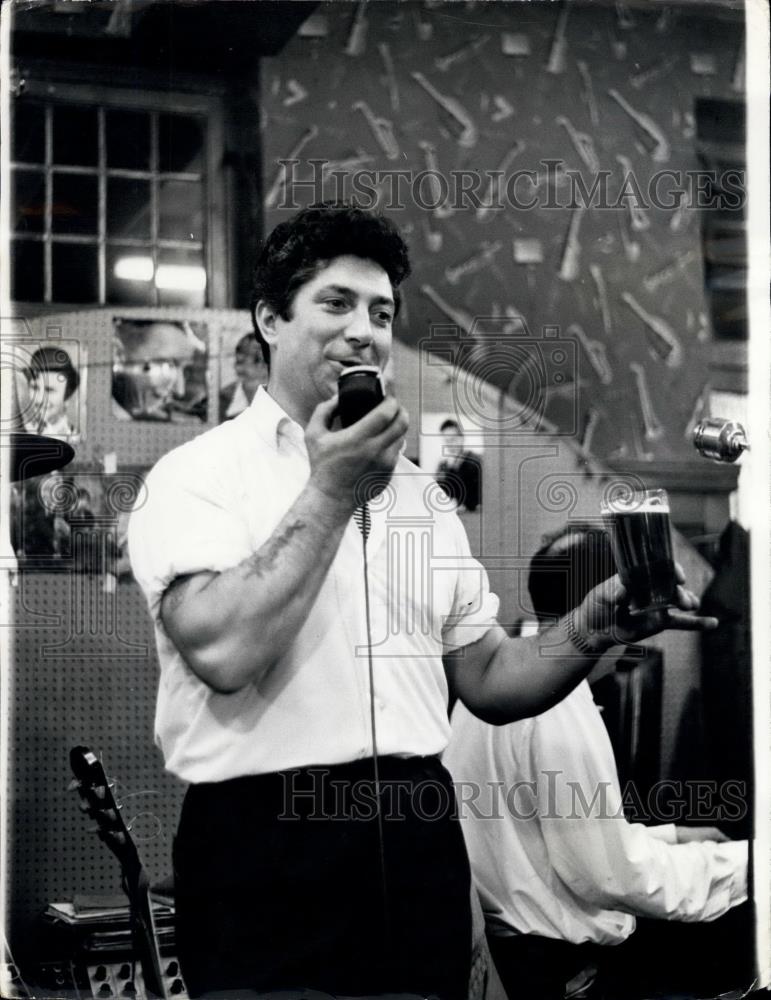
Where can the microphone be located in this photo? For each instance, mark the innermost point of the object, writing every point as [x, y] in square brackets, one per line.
[359, 389]
[721, 440]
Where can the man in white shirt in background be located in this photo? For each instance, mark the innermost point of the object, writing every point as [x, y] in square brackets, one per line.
[558, 867]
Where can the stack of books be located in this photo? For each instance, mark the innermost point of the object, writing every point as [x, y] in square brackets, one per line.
[100, 925]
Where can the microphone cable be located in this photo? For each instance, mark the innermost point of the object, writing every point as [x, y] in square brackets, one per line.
[364, 523]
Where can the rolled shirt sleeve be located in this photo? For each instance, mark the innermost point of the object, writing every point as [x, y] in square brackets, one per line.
[474, 606]
[183, 523]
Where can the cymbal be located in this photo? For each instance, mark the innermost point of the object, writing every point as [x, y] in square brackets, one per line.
[36, 454]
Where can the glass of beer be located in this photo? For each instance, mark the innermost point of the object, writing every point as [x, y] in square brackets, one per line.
[641, 539]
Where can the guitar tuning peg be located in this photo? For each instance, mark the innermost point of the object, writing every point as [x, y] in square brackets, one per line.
[100, 792]
[74, 785]
[84, 806]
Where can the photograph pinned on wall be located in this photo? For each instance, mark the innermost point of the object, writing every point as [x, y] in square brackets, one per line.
[242, 370]
[159, 370]
[75, 521]
[122, 492]
[451, 450]
[49, 389]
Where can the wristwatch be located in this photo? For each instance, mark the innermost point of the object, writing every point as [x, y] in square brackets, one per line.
[576, 638]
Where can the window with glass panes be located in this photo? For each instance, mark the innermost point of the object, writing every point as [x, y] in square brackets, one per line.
[108, 204]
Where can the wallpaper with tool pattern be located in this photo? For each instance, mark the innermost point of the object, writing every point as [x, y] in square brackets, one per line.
[454, 99]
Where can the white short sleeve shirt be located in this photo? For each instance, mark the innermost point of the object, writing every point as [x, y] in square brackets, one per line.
[550, 847]
[214, 501]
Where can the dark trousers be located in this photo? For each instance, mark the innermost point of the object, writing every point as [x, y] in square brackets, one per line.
[661, 959]
[279, 884]
[666, 958]
[538, 968]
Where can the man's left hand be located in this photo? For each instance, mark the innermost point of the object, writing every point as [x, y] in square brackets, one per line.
[699, 834]
[603, 618]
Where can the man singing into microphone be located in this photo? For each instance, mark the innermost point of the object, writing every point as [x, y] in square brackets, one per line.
[290, 869]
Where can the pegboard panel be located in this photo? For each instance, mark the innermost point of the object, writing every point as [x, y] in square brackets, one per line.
[103, 697]
[88, 338]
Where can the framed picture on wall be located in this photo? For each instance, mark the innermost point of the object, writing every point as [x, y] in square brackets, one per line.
[242, 369]
[123, 491]
[49, 386]
[75, 520]
[159, 370]
[451, 451]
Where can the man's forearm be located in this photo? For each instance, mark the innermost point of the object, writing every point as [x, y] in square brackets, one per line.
[520, 678]
[620, 866]
[231, 627]
[501, 679]
[553, 667]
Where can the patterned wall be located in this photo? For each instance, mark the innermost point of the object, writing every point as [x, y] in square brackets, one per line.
[460, 90]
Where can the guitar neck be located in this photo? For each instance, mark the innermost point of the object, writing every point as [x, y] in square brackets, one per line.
[96, 792]
[145, 939]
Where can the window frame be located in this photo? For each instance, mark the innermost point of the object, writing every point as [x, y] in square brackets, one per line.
[119, 96]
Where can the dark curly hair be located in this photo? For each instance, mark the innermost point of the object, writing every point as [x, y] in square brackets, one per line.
[300, 247]
[561, 575]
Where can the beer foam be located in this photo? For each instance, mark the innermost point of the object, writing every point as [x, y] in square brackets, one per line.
[638, 505]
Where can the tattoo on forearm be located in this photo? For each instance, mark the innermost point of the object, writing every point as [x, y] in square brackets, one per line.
[264, 560]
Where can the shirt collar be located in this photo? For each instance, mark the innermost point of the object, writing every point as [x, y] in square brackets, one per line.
[273, 423]
[238, 401]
